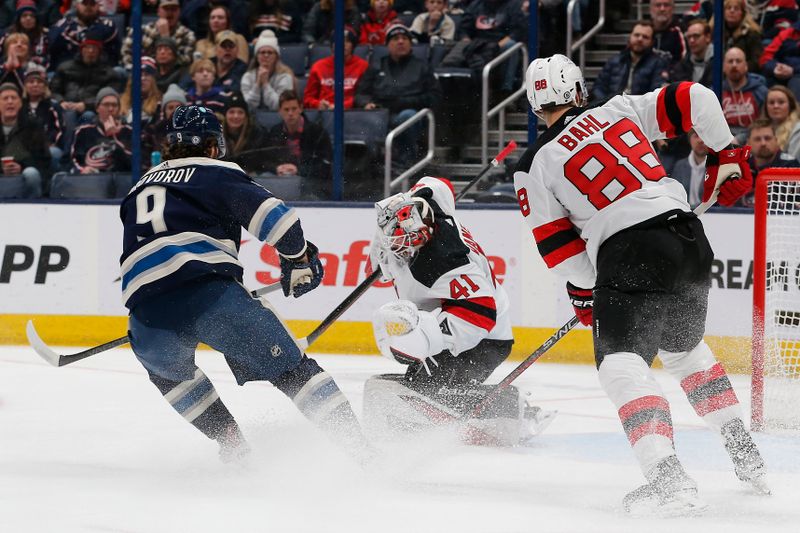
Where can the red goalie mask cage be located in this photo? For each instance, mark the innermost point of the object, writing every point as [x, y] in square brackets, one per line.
[776, 301]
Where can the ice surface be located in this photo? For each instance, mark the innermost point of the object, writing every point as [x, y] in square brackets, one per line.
[93, 447]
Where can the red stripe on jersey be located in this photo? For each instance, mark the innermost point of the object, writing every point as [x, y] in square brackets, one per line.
[645, 402]
[563, 253]
[475, 318]
[551, 228]
[684, 101]
[692, 381]
[654, 428]
[716, 402]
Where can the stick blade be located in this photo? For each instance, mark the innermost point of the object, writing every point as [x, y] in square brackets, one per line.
[39, 346]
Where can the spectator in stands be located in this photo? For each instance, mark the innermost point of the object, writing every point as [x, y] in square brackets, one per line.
[487, 28]
[698, 63]
[166, 26]
[667, 34]
[196, 15]
[22, 138]
[766, 154]
[26, 21]
[782, 111]
[244, 138]
[76, 82]
[267, 78]
[772, 16]
[636, 70]
[155, 132]
[402, 83]
[230, 68]
[16, 59]
[151, 95]
[104, 145]
[203, 91]
[67, 34]
[318, 23]
[742, 31]
[743, 93]
[47, 11]
[319, 87]
[284, 19]
[219, 19]
[435, 26]
[781, 59]
[38, 104]
[379, 17]
[308, 147]
[168, 69]
[691, 171]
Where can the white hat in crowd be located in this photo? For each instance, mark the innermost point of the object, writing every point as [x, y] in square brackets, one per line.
[267, 38]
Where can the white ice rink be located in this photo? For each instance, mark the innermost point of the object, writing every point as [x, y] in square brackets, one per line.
[93, 447]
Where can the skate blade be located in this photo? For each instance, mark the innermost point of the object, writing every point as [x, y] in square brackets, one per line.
[759, 484]
[649, 504]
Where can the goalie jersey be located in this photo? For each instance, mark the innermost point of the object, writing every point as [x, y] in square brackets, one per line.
[451, 276]
[594, 172]
[183, 220]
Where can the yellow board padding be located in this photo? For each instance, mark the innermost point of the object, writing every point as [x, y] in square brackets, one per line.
[344, 337]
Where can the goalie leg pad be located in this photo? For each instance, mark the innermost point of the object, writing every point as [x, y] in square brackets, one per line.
[395, 408]
[405, 334]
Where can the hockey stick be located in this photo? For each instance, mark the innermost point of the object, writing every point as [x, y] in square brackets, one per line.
[500, 387]
[334, 315]
[55, 359]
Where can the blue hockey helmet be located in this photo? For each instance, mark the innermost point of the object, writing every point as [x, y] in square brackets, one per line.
[192, 125]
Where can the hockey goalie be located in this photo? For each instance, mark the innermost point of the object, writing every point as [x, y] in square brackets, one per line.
[450, 326]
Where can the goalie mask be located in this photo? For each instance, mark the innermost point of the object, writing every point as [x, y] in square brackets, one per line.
[554, 81]
[406, 224]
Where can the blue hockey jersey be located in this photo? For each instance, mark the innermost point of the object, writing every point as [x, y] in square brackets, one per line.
[183, 220]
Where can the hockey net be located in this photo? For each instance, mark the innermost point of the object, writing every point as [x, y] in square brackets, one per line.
[776, 302]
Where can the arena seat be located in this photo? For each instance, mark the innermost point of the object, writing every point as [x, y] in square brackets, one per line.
[12, 186]
[362, 51]
[82, 186]
[267, 119]
[407, 19]
[318, 52]
[294, 56]
[284, 187]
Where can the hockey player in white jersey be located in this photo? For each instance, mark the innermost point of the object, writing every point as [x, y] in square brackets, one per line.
[450, 325]
[605, 215]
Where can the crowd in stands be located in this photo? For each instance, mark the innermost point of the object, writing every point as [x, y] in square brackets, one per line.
[761, 78]
[268, 71]
[66, 93]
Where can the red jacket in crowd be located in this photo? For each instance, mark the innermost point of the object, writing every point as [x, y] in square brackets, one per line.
[373, 31]
[320, 81]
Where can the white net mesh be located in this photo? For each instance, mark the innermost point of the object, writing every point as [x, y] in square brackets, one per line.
[782, 307]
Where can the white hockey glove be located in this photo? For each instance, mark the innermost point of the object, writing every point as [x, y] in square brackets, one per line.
[407, 335]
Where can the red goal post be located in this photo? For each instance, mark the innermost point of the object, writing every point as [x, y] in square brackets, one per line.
[776, 301]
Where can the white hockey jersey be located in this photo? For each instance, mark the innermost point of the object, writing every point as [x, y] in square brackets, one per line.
[452, 278]
[594, 172]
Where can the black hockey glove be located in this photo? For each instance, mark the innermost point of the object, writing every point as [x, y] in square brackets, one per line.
[582, 301]
[299, 277]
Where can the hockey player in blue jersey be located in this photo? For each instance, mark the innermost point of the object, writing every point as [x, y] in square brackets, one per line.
[181, 280]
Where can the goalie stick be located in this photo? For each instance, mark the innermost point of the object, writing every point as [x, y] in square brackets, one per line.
[305, 342]
[56, 359]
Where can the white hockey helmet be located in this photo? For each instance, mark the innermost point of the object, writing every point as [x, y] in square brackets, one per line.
[406, 224]
[554, 81]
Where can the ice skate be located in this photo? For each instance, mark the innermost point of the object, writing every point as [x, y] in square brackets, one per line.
[537, 419]
[670, 492]
[747, 461]
[233, 447]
